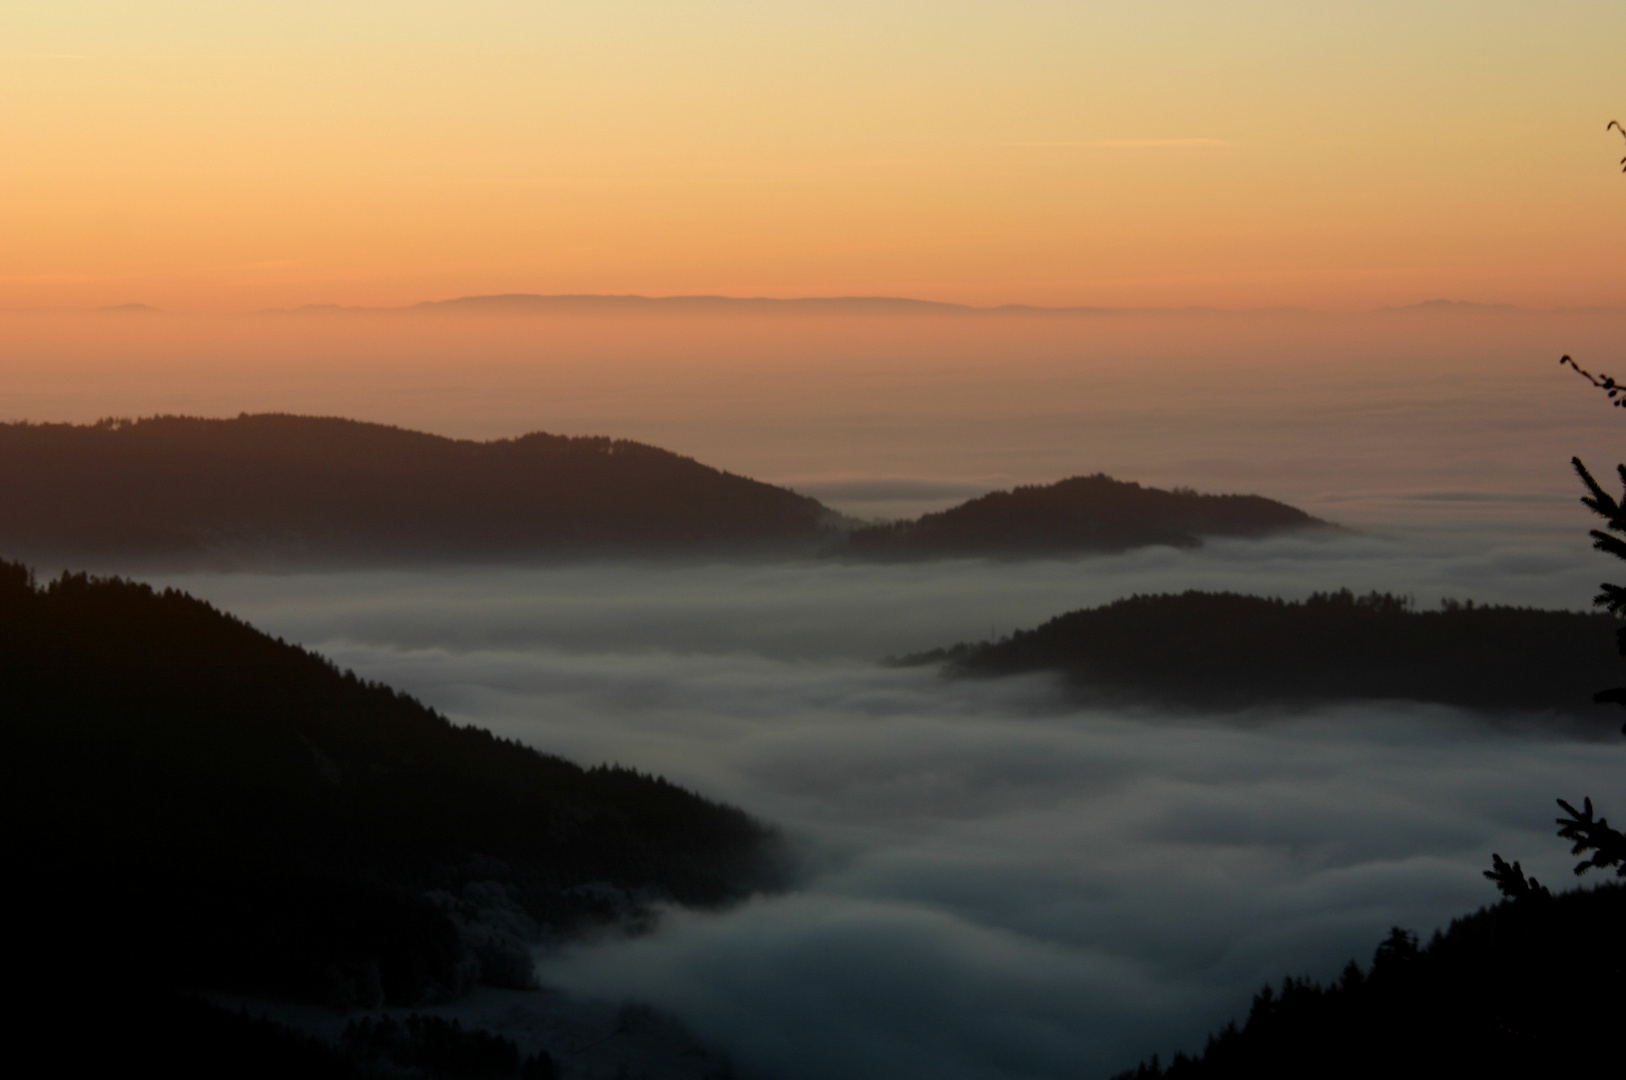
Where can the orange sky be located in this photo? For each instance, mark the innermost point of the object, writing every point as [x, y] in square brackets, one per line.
[207, 156]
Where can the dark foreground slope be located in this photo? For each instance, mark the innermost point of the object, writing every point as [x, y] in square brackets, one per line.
[1223, 651]
[186, 1037]
[1531, 987]
[188, 799]
[311, 488]
[1082, 514]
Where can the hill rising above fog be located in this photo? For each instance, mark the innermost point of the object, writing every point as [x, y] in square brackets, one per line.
[319, 489]
[300, 490]
[1084, 513]
[1225, 651]
[196, 803]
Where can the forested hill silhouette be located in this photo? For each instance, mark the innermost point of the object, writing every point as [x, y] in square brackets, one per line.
[1222, 651]
[311, 489]
[191, 800]
[1530, 987]
[1084, 513]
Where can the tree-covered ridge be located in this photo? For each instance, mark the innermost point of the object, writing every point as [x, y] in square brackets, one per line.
[269, 823]
[1224, 650]
[1530, 987]
[323, 488]
[1081, 514]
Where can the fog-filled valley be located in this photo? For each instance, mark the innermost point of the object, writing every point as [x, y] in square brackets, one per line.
[994, 878]
[838, 541]
[997, 883]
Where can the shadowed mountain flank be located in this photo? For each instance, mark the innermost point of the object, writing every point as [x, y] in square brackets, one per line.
[1224, 651]
[221, 810]
[1081, 514]
[319, 489]
[1509, 991]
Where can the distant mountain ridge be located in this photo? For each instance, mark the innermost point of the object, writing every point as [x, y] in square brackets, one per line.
[1080, 514]
[621, 302]
[320, 491]
[316, 488]
[627, 303]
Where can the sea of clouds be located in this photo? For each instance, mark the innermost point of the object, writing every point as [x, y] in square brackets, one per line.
[997, 883]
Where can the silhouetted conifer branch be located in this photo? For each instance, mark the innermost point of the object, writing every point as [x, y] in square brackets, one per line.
[1602, 541]
[1612, 597]
[1511, 881]
[1616, 125]
[1600, 502]
[1594, 834]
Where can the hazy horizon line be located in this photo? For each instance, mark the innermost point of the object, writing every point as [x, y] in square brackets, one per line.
[877, 304]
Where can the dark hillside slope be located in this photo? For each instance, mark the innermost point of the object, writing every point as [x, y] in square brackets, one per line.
[318, 488]
[1084, 513]
[241, 814]
[1222, 651]
[1531, 987]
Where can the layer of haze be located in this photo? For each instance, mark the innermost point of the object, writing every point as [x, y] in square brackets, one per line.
[887, 414]
[998, 885]
[1241, 154]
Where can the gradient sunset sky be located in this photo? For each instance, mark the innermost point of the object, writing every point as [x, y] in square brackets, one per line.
[234, 156]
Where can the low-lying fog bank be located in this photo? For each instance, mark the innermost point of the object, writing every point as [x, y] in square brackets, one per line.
[867, 612]
[998, 884]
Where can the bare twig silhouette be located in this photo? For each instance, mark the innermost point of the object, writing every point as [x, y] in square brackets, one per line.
[1603, 382]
